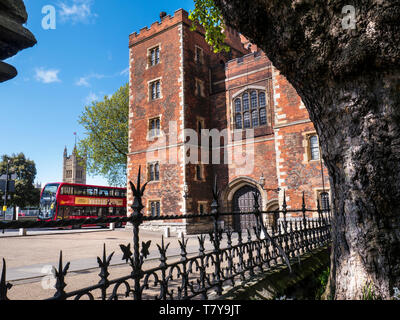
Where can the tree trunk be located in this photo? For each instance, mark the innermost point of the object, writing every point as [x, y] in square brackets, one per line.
[360, 137]
[349, 80]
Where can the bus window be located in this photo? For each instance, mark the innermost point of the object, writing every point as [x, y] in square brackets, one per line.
[79, 211]
[90, 191]
[103, 193]
[66, 212]
[60, 213]
[90, 211]
[67, 190]
[102, 212]
[79, 191]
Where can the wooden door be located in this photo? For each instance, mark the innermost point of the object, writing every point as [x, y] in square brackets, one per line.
[243, 201]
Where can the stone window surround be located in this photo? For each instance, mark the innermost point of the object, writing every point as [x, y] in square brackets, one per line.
[248, 88]
[196, 57]
[203, 178]
[68, 174]
[148, 171]
[149, 201]
[149, 84]
[202, 121]
[307, 146]
[317, 195]
[205, 206]
[202, 88]
[148, 64]
[160, 134]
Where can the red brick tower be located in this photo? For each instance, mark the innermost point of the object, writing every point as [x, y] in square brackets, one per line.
[169, 92]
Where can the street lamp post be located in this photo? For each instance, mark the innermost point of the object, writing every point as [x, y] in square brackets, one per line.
[6, 189]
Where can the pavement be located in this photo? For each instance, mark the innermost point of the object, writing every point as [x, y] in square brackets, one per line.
[32, 256]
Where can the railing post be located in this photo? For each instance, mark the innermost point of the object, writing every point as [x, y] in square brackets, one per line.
[241, 262]
[202, 269]
[137, 219]
[60, 276]
[284, 210]
[104, 264]
[217, 237]
[230, 267]
[259, 230]
[285, 227]
[183, 291]
[320, 221]
[163, 267]
[4, 287]
[303, 209]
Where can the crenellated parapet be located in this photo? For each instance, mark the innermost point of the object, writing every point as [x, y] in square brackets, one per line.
[233, 38]
[166, 21]
[14, 37]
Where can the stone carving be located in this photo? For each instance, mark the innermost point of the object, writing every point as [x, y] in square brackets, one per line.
[13, 36]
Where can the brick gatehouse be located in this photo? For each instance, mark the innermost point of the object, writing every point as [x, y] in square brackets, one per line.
[177, 83]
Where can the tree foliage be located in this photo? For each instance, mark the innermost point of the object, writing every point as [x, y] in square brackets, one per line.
[343, 59]
[209, 16]
[25, 193]
[105, 146]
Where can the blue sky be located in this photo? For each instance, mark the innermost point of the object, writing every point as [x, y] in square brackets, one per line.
[84, 58]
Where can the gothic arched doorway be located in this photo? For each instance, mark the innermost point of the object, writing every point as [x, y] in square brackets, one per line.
[243, 201]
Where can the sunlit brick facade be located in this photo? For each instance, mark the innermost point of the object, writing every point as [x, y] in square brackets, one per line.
[176, 83]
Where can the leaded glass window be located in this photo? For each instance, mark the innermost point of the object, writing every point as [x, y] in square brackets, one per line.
[314, 147]
[250, 110]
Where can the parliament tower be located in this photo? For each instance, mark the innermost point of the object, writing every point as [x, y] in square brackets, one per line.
[74, 170]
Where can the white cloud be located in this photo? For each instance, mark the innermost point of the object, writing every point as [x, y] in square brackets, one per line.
[84, 81]
[92, 97]
[77, 11]
[47, 76]
[124, 72]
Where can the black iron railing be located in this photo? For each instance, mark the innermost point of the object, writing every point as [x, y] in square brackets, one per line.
[224, 257]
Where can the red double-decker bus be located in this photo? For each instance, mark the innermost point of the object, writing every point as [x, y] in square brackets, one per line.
[77, 201]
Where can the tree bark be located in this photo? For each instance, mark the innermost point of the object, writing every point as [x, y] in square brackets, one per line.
[349, 80]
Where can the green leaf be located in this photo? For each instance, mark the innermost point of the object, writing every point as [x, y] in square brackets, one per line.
[208, 15]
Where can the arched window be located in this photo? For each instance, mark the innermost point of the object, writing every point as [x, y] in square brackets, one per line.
[238, 105]
[250, 109]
